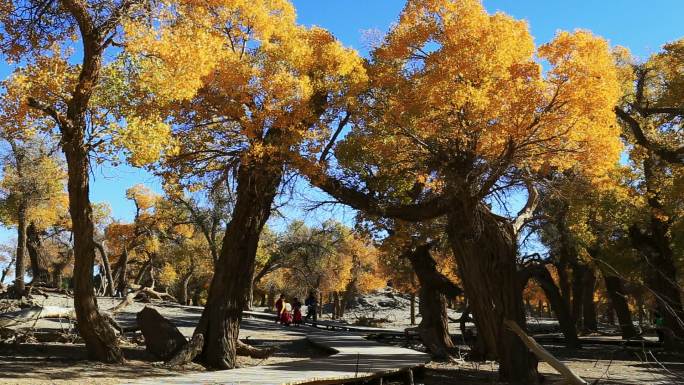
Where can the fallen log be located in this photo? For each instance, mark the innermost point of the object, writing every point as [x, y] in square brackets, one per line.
[127, 301]
[543, 354]
[36, 313]
[152, 293]
[137, 290]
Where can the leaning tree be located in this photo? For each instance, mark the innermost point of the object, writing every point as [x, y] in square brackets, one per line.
[458, 108]
[242, 86]
[65, 87]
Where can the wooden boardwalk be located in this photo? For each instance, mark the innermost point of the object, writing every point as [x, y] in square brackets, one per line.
[354, 358]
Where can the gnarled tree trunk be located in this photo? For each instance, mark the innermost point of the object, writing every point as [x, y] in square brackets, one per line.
[20, 264]
[434, 324]
[257, 184]
[655, 247]
[39, 268]
[100, 339]
[434, 288]
[485, 248]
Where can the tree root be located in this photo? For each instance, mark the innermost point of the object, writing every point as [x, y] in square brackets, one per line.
[188, 352]
[243, 349]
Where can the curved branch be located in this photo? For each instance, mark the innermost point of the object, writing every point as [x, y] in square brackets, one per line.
[426, 271]
[48, 110]
[672, 156]
[526, 213]
[428, 209]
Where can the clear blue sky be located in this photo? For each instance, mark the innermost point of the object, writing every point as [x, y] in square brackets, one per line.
[641, 26]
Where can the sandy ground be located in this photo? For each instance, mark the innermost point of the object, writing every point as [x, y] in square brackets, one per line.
[53, 363]
[66, 364]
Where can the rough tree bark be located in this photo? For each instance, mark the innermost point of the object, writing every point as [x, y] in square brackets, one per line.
[20, 264]
[578, 275]
[485, 247]
[34, 246]
[257, 185]
[434, 287]
[655, 246]
[100, 339]
[617, 294]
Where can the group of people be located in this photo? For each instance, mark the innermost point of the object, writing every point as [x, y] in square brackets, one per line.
[291, 313]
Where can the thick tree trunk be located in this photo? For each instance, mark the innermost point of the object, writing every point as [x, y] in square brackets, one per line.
[434, 324]
[257, 185]
[34, 246]
[578, 275]
[617, 294]
[485, 249]
[20, 264]
[560, 307]
[655, 246]
[434, 288]
[99, 337]
[108, 270]
[590, 323]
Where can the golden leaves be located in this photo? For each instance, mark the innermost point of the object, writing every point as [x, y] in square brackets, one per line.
[452, 84]
[145, 139]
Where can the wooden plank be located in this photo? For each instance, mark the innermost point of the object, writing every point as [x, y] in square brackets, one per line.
[356, 359]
